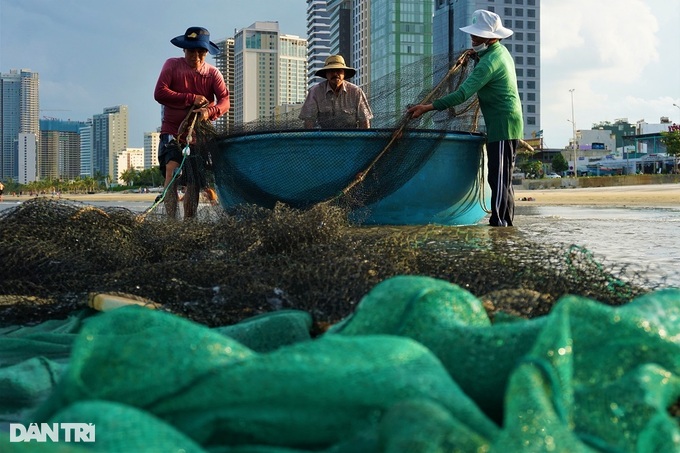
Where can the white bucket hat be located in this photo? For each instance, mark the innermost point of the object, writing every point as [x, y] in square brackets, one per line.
[486, 24]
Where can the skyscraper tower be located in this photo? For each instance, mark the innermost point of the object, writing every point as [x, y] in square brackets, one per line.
[225, 63]
[109, 138]
[318, 37]
[269, 71]
[523, 18]
[59, 151]
[20, 114]
[340, 15]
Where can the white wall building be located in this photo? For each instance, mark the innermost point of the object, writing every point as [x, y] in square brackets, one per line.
[151, 142]
[127, 160]
[269, 70]
[27, 157]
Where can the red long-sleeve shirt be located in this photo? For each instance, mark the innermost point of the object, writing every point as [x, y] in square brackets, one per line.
[177, 87]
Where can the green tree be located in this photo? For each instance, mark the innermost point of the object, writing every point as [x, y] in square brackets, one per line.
[150, 177]
[532, 168]
[559, 163]
[672, 141]
[129, 176]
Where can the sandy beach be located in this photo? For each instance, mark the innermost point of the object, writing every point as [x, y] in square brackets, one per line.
[640, 195]
[643, 195]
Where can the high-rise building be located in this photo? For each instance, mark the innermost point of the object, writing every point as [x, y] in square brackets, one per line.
[378, 37]
[151, 141]
[269, 71]
[59, 150]
[19, 113]
[109, 138]
[27, 152]
[318, 37]
[340, 16]
[225, 63]
[86, 152]
[130, 159]
[523, 18]
[361, 41]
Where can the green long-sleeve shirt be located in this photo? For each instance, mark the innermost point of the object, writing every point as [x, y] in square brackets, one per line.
[495, 82]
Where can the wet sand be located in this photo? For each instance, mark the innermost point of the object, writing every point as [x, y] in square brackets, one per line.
[90, 198]
[652, 195]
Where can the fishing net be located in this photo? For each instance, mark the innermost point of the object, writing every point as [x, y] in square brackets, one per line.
[275, 329]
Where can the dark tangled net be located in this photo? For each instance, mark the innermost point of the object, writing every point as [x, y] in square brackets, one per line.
[222, 269]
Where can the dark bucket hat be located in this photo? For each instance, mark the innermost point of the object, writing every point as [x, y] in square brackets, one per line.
[196, 38]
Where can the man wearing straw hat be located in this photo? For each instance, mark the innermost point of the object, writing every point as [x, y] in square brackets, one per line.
[336, 103]
[187, 86]
[495, 82]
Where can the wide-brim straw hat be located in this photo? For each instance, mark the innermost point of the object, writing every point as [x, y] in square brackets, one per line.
[196, 38]
[486, 24]
[336, 62]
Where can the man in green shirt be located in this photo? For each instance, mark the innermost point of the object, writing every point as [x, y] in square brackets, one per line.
[495, 82]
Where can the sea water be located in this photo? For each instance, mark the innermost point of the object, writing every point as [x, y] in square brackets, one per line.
[644, 239]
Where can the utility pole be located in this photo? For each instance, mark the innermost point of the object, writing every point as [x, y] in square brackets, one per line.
[573, 132]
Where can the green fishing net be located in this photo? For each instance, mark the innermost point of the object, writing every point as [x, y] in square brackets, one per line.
[418, 366]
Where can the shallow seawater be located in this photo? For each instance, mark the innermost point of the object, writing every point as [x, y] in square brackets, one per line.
[645, 239]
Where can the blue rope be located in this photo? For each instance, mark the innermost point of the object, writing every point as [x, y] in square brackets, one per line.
[159, 199]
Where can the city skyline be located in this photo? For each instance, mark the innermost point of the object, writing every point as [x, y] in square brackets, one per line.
[621, 57]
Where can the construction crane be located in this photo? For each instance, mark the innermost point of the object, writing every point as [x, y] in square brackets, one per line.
[52, 110]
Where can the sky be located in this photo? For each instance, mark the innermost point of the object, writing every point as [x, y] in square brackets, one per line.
[621, 58]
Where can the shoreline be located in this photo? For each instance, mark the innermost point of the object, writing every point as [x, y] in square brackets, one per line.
[661, 195]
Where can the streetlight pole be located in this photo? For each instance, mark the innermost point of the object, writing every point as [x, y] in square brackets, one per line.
[573, 131]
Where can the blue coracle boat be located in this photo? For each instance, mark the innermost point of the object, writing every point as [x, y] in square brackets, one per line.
[424, 177]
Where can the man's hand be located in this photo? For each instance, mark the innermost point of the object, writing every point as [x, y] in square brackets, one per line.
[202, 107]
[419, 109]
[201, 101]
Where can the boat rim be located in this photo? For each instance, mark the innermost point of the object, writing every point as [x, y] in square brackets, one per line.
[370, 131]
